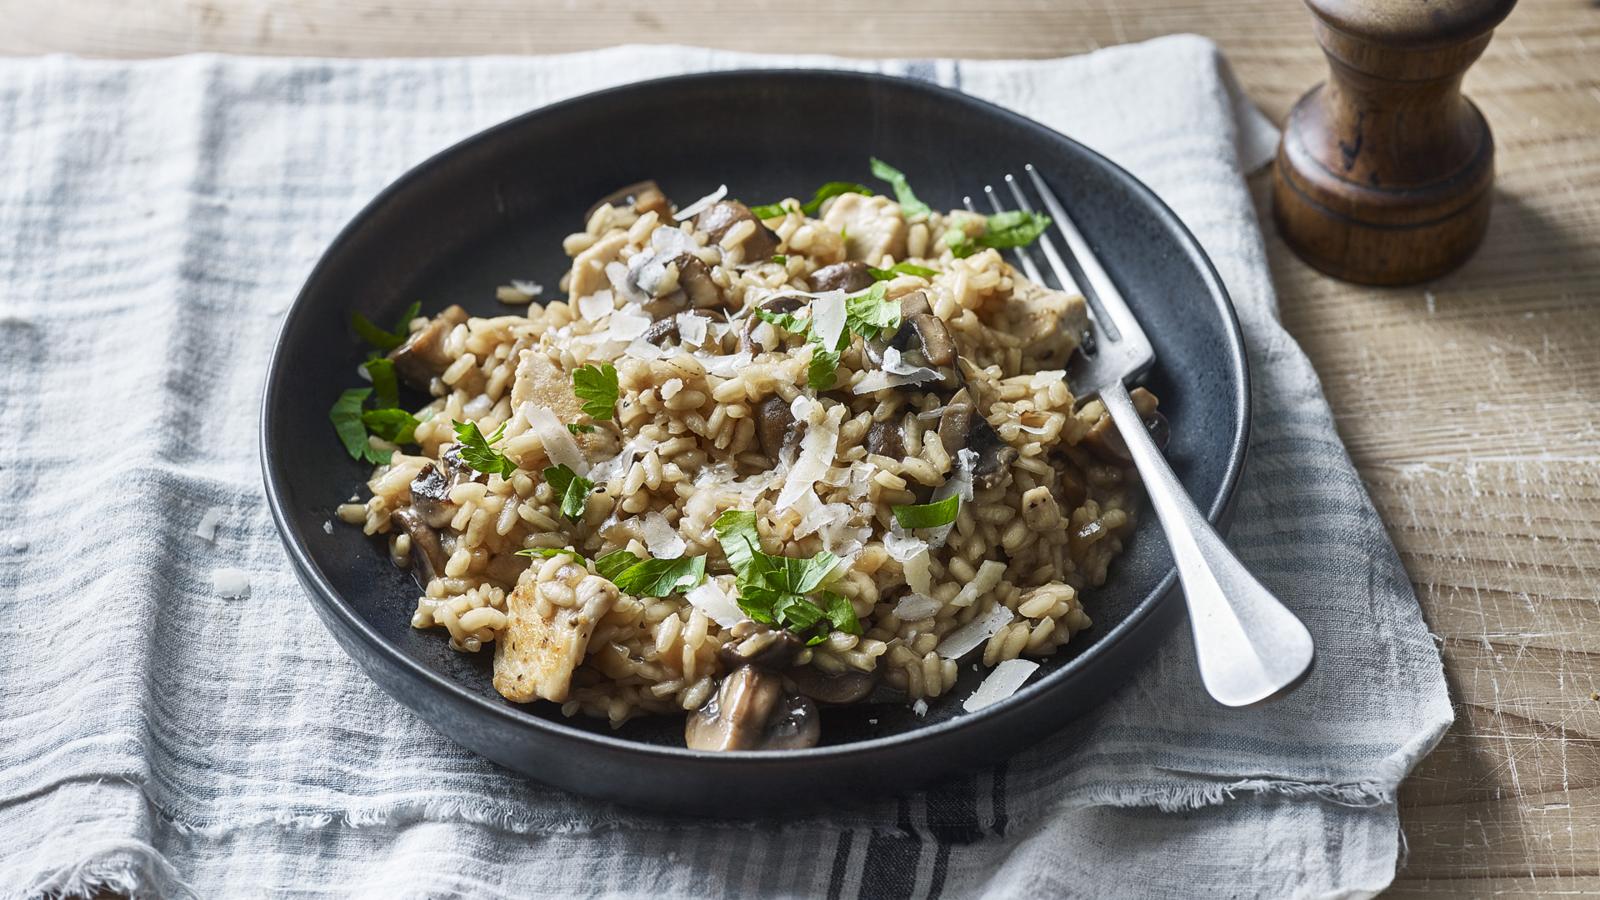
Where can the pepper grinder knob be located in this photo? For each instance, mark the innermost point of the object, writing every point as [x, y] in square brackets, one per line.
[1384, 171]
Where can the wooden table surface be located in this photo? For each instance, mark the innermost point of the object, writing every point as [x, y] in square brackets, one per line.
[1469, 404]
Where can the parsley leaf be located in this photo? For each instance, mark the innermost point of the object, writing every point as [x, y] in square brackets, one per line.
[900, 269]
[660, 577]
[551, 553]
[928, 515]
[597, 387]
[477, 452]
[346, 418]
[869, 314]
[572, 488]
[772, 589]
[579, 429]
[780, 259]
[960, 245]
[810, 207]
[393, 425]
[768, 210]
[909, 204]
[613, 564]
[1013, 229]
[736, 531]
[381, 370]
[377, 337]
[840, 613]
[823, 368]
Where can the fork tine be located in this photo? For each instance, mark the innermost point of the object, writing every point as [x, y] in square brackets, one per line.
[1104, 292]
[1057, 264]
[1028, 265]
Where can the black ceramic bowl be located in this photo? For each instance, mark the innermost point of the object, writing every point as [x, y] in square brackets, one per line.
[496, 207]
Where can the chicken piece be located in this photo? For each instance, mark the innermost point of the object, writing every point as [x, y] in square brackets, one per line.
[1051, 323]
[873, 227]
[422, 356]
[539, 380]
[550, 617]
[589, 267]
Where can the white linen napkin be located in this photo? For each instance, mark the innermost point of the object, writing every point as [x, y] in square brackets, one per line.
[159, 739]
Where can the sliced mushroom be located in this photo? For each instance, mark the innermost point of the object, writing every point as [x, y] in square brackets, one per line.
[755, 644]
[666, 329]
[846, 687]
[694, 278]
[962, 428]
[846, 276]
[787, 304]
[643, 196]
[774, 425]
[716, 220]
[422, 356]
[1104, 441]
[921, 332]
[427, 551]
[430, 496]
[751, 711]
[886, 439]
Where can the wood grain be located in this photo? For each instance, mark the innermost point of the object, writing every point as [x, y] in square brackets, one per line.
[1470, 405]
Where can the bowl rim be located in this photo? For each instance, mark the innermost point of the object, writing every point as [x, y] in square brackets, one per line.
[333, 602]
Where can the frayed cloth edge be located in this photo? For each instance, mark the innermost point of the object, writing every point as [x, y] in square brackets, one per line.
[125, 868]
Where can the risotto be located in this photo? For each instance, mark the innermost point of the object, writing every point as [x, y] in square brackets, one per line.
[759, 461]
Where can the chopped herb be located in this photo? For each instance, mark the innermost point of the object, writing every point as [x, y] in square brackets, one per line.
[660, 577]
[823, 369]
[572, 488]
[1013, 229]
[381, 370]
[928, 515]
[772, 589]
[810, 207]
[960, 245]
[552, 553]
[597, 387]
[787, 321]
[393, 425]
[869, 314]
[346, 418]
[768, 210]
[477, 452]
[579, 429]
[780, 259]
[613, 564]
[900, 269]
[909, 204]
[377, 337]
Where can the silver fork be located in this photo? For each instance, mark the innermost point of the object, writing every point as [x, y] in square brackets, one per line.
[1248, 644]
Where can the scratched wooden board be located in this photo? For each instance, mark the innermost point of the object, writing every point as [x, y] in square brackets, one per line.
[1470, 404]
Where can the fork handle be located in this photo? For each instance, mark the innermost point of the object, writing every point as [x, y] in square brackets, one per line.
[1249, 645]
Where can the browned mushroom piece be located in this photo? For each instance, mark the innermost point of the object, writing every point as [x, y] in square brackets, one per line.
[887, 439]
[426, 548]
[423, 356]
[430, 496]
[845, 687]
[755, 644]
[789, 304]
[923, 337]
[716, 220]
[962, 428]
[752, 711]
[694, 277]
[1104, 441]
[642, 196]
[666, 329]
[774, 425]
[851, 275]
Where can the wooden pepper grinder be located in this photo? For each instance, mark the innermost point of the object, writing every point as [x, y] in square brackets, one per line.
[1384, 171]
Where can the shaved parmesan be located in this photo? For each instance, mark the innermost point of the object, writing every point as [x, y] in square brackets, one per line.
[1004, 681]
[597, 305]
[207, 527]
[627, 324]
[878, 380]
[617, 274]
[828, 318]
[821, 516]
[918, 575]
[916, 607]
[230, 584]
[959, 483]
[660, 538]
[920, 708]
[903, 545]
[970, 636]
[643, 349]
[692, 329]
[531, 288]
[712, 600]
[695, 208]
[557, 440]
[723, 366]
[622, 462]
[817, 450]
[894, 364]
